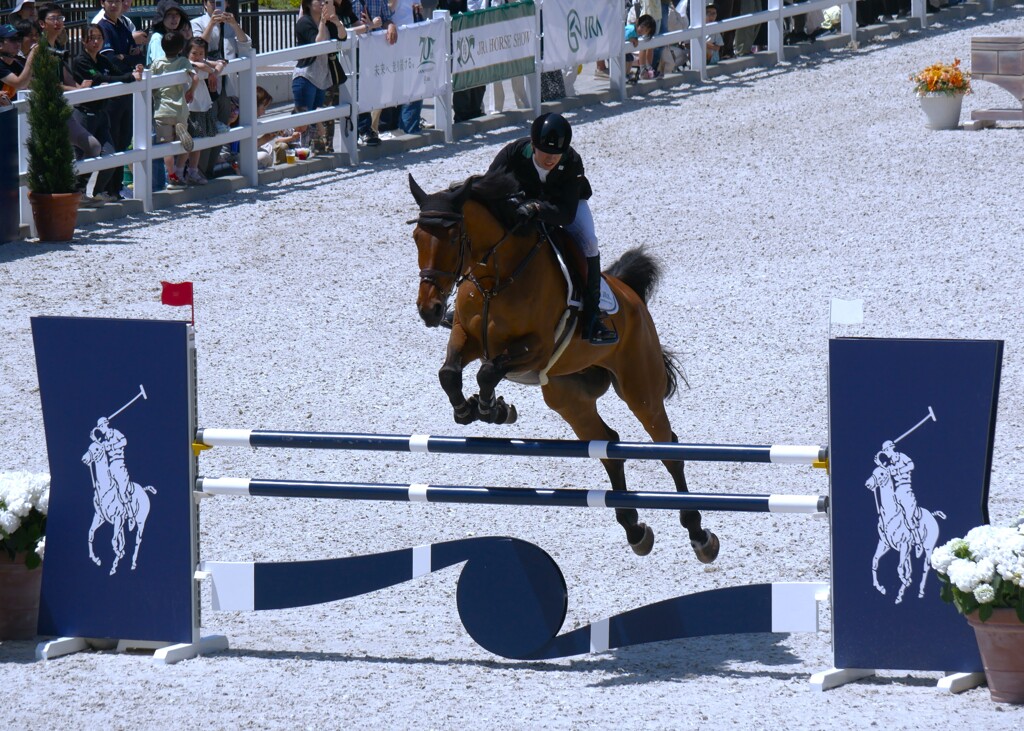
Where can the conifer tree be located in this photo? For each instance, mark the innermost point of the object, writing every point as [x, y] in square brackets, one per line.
[50, 157]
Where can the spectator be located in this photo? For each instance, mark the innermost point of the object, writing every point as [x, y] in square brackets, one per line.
[171, 102]
[742, 44]
[374, 14]
[169, 15]
[15, 72]
[518, 83]
[715, 41]
[407, 12]
[124, 53]
[469, 103]
[347, 15]
[202, 119]
[92, 69]
[29, 31]
[312, 76]
[141, 37]
[645, 58]
[643, 29]
[23, 10]
[226, 41]
[273, 145]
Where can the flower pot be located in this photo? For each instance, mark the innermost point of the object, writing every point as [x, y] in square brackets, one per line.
[1001, 643]
[55, 215]
[19, 598]
[942, 110]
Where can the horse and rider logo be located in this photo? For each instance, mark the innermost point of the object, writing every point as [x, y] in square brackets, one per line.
[116, 499]
[902, 525]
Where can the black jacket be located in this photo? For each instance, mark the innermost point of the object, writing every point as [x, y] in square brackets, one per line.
[563, 190]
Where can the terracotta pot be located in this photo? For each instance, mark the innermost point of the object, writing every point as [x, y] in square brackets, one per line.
[19, 598]
[55, 215]
[1001, 643]
[942, 110]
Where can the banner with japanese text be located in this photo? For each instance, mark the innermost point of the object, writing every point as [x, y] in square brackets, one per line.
[413, 68]
[578, 31]
[493, 44]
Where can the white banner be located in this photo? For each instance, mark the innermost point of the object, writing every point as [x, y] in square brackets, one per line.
[413, 68]
[578, 31]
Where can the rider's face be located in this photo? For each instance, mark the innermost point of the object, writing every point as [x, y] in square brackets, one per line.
[546, 160]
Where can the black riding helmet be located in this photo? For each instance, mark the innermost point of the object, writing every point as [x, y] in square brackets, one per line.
[551, 134]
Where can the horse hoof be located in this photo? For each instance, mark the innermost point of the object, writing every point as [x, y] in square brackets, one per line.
[467, 413]
[113, 571]
[507, 413]
[881, 590]
[646, 542]
[708, 551]
[97, 561]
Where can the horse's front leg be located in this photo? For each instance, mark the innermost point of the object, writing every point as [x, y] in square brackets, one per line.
[489, 409]
[450, 376]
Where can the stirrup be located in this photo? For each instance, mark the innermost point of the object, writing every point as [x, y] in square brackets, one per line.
[448, 321]
[601, 335]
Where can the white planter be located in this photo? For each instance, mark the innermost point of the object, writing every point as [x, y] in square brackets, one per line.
[942, 110]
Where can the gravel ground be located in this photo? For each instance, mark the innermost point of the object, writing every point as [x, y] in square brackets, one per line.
[763, 194]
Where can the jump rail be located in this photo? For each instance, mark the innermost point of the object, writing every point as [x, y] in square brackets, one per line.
[777, 454]
[564, 497]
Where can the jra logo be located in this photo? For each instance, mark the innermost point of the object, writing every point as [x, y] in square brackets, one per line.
[582, 29]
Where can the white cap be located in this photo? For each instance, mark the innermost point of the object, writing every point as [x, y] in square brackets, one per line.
[19, 3]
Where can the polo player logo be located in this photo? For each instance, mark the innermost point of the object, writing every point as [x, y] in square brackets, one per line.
[466, 44]
[902, 525]
[116, 499]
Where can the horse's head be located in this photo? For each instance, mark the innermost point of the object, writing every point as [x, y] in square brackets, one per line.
[440, 245]
[92, 454]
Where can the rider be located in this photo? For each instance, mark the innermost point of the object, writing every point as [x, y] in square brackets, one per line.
[900, 469]
[113, 443]
[550, 173]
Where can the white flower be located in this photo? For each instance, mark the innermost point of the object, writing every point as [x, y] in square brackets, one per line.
[41, 547]
[9, 522]
[942, 557]
[985, 594]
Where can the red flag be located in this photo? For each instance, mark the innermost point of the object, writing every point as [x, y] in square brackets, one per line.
[176, 295]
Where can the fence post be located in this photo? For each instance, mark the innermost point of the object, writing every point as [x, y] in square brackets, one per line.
[536, 93]
[444, 117]
[777, 30]
[142, 131]
[848, 23]
[698, 45]
[617, 66]
[919, 10]
[349, 136]
[247, 147]
[24, 131]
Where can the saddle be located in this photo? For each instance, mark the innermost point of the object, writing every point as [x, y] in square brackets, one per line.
[574, 268]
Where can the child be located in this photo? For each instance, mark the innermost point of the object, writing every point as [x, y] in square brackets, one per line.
[644, 29]
[171, 104]
[202, 119]
[270, 143]
[715, 42]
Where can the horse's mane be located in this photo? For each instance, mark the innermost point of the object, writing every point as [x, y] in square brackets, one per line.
[498, 191]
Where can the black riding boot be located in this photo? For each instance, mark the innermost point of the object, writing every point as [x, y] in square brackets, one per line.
[593, 329]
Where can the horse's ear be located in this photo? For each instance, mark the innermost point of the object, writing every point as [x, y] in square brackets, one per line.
[417, 191]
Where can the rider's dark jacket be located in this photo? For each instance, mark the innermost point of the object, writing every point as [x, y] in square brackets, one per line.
[563, 190]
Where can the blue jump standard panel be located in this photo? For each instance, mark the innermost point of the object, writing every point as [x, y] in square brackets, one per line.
[912, 423]
[115, 397]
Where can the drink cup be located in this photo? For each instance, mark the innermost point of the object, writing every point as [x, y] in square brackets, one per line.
[290, 157]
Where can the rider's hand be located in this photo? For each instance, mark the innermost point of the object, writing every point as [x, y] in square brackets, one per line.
[527, 211]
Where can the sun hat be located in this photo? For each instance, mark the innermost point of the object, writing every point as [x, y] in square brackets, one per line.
[19, 3]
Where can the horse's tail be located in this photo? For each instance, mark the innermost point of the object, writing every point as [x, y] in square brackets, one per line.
[149, 488]
[939, 514]
[639, 271]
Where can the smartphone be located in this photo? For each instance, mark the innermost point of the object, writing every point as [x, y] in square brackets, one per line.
[218, 5]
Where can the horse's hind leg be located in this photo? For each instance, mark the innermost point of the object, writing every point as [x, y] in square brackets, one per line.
[645, 398]
[574, 398]
[97, 521]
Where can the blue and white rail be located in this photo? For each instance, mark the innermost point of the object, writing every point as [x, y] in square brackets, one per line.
[563, 497]
[776, 453]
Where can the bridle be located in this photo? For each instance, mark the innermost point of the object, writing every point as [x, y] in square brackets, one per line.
[447, 220]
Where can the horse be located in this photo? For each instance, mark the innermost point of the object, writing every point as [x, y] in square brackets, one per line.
[109, 508]
[510, 301]
[895, 535]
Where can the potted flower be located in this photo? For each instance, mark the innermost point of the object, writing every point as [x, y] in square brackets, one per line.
[982, 574]
[941, 88]
[24, 501]
[53, 189]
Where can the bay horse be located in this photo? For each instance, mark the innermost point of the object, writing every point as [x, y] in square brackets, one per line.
[109, 507]
[510, 300]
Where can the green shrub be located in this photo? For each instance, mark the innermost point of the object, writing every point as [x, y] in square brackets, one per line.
[51, 161]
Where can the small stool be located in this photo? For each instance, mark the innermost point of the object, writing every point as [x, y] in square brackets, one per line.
[998, 60]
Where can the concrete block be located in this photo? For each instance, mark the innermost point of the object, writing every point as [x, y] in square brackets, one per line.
[984, 61]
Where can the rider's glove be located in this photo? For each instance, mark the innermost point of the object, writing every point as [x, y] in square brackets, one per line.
[527, 212]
